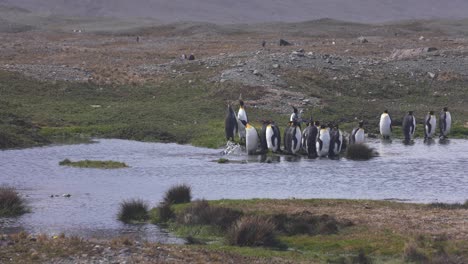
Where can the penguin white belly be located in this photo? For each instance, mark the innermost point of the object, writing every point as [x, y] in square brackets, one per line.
[325, 139]
[296, 140]
[242, 115]
[272, 142]
[385, 123]
[414, 128]
[448, 121]
[359, 137]
[251, 139]
[430, 130]
[241, 129]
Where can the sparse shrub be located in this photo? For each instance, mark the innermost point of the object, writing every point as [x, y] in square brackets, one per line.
[361, 258]
[11, 204]
[412, 253]
[201, 213]
[133, 210]
[165, 212]
[178, 194]
[223, 160]
[190, 240]
[359, 152]
[253, 231]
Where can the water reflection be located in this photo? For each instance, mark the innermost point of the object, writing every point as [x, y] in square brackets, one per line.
[95, 194]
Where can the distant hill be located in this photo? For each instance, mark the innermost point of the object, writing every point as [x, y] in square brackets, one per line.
[251, 11]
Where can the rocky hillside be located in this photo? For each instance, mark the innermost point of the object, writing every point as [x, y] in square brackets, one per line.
[252, 11]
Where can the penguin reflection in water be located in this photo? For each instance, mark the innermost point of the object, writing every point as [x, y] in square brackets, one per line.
[409, 126]
[445, 123]
[429, 127]
[385, 125]
[358, 134]
[230, 124]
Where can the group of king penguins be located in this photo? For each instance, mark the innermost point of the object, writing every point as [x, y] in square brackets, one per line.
[315, 140]
[320, 140]
[409, 125]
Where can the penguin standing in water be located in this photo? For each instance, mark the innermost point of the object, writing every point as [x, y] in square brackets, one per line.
[242, 120]
[230, 124]
[430, 125]
[445, 123]
[385, 125]
[292, 137]
[336, 141]
[309, 139]
[273, 137]
[409, 126]
[251, 139]
[323, 141]
[358, 134]
[263, 137]
[296, 116]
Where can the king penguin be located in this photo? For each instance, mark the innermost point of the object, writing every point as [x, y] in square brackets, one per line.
[385, 125]
[358, 134]
[336, 141]
[409, 126]
[292, 137]
[242, 120]
[230, 124]
[263, 137]
[430, 125]
[309, 139]
[445, 123]
[273, 137]
[251, 139]
[323, 141]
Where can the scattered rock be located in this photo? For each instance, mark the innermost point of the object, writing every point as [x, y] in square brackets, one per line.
[283, 42]
[256, 72]
[362, 40]
[191, 57]
[432, 75]
[67, 195]
[276, 66]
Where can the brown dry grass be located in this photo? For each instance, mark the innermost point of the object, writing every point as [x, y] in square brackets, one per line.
[403, 218]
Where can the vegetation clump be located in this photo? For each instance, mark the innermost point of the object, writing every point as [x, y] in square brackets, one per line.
[108, 164]
[134, 210]
[223, 160]
[201, 213]
[253, 231]
[11, 204]
[359, 152]
[412, 253]
[164, 213]
[450, 206]
[307, 223]
[178, 194]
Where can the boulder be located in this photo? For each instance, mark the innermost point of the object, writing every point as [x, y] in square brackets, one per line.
[283, 42]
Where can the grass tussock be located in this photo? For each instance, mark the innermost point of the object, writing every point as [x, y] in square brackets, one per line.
[97, 164]
[164, 212]
[448, 206]
[412, 253]
[11, 203]
[359, 152]
[201, 213]
[253, 231]
[178, 194]
[134, 210]
[307, 223]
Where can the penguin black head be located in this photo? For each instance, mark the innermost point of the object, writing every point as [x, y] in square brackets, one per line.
[336, 126]
[295, 109]
[241, 103]
[445, 109]
[431, 112]
[323, 126]
[317, 123]
[361, 123]
[410, 112]
[385, 111]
